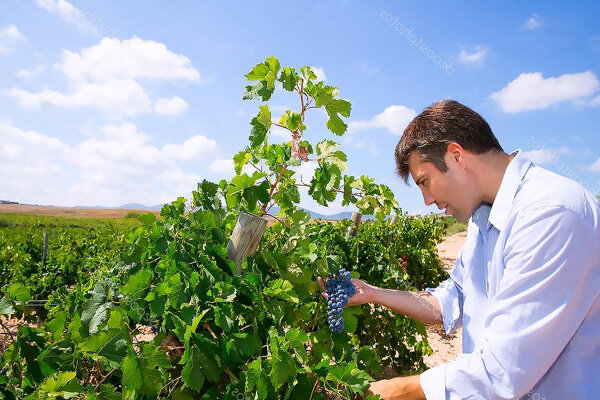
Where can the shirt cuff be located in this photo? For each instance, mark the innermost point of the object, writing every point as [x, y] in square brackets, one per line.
[433, 383]
[448, 297]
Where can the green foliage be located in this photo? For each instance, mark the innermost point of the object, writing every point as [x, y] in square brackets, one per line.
[132, 214]
[453, 226]
[263, 334]
[77, 248]
[275, 163]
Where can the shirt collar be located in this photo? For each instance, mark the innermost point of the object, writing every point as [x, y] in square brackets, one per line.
[513, 176]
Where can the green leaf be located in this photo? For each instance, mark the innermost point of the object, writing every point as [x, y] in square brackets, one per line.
[325, 153]
[260, 126]
[256, 378]
[256, 90]
[350, 376]
[350, 318]
[147, 219]
[292, 121]
[137, 283]
[62, 385]
[18, 292]
[283, 369]
[308, 73]
[192, 372]
[95, 310]
[240, 159]
[325, 183]
[143, 373]
[6, 307]
[57, 324]
[289, 78]
[210, 361]
[266, 74]
[110, 345]
[283, 290]
[326, 97]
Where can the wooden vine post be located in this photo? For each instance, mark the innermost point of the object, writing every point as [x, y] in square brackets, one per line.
[245, 238]
[45, 251]
[353, 229]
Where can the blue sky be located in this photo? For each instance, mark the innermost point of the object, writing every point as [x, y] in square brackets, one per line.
[112, 102]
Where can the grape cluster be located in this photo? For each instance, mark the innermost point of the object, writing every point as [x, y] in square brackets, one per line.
[339, 289]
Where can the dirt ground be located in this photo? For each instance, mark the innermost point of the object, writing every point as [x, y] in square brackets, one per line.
[70, 212]
[446, 347]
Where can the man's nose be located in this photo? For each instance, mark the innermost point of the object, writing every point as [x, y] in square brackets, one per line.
[428, 199]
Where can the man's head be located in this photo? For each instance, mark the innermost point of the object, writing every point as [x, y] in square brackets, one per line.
[436, 148]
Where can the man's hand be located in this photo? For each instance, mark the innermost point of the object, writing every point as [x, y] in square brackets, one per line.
[365, 293]
[402, 388]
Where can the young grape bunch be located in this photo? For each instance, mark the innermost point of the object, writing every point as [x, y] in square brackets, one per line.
[339, 289]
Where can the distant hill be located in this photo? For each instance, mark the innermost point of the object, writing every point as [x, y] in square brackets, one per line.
[333, 217]
[129, 206]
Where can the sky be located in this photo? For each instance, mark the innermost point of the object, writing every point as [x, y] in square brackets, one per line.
[113, 102]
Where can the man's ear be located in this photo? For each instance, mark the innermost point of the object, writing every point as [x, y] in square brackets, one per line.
[456, 153]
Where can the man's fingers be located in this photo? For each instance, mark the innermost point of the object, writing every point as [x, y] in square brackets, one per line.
[320, 280]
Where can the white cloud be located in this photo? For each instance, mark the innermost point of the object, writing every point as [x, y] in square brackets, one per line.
[66, 11]
[533, 22]
[173, 106]
[222, 166]
[475, 57]
[131, 58]
[9, 35]
[595, 166]
[118, 166]
[393, 118]
[26, 74]
[319, 72]
[197, 148]
[105, 77]
[595, 101]
[12, 32]
[546, 156]
[116, 97]
[531, 91]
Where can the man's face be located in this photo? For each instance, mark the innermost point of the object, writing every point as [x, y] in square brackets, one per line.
[450, 190]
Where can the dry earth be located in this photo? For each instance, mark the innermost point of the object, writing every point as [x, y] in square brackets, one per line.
[71, 212]
[446, 347]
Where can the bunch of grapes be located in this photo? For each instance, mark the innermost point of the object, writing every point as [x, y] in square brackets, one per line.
[339, 289]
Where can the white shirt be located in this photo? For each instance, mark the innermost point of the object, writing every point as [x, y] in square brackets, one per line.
[526, 289]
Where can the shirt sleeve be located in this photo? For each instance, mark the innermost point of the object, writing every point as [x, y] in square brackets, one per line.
[449, 295]
[547, 288]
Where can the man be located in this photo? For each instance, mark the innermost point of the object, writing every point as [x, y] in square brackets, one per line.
[526, 284]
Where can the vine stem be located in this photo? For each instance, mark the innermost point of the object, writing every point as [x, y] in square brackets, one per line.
[212, 333]
[8, 331]
[263, 209]
[313, 389]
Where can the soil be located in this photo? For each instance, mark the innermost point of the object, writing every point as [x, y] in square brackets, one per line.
[71, 212]
[445, 347]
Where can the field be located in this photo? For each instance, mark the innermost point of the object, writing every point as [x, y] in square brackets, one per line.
[69, 212]
[76, 285]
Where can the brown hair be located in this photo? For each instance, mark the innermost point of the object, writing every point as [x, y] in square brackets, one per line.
[440, 124]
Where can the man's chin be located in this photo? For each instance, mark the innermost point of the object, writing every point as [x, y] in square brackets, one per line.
[459, 217]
